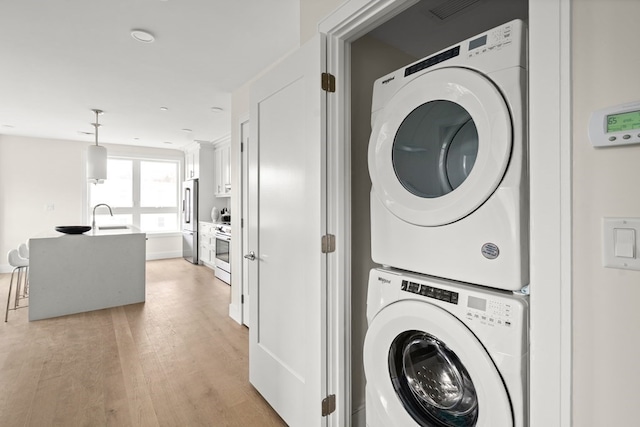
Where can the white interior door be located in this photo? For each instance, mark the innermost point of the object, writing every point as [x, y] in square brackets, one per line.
[287, 279]
[244, 138]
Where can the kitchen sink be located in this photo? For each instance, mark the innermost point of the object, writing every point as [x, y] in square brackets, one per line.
[112, 227]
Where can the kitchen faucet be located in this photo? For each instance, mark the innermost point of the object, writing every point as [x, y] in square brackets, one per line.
[93, 223]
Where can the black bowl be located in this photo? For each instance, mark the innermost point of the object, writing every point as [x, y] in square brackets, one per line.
[73, 229]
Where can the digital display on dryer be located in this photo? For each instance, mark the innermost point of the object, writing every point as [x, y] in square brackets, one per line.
[480, 41]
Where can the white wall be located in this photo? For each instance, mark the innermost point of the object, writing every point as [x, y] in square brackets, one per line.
[36, 173]
[606, 344]
[311, 13]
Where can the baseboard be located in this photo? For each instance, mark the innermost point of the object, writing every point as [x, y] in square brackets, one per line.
[6, 268]
[358, 417]
[209, 265]
[163, 255]
[235, 313]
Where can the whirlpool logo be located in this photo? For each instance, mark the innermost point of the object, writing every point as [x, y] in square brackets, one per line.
[384, 82]
[383, 280]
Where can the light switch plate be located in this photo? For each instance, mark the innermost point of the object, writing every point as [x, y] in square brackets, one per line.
[615, 239]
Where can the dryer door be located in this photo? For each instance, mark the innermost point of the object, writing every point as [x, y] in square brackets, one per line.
[423, 366]
[440, 146]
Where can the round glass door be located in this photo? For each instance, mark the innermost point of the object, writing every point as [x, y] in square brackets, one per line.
[432, 383]
[435, 148]
[440, 146]
[426, 367]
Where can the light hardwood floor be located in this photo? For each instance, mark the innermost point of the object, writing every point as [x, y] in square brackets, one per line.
[176, 360]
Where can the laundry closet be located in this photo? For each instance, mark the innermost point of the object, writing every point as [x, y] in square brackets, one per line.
[425, 28]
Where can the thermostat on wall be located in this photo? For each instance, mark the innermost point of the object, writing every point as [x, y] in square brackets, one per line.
[618, 125]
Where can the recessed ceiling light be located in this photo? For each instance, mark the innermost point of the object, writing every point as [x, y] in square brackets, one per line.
[136, 139]
[81, 132]
[142, 36]
[164, 109]
[187, 130]
[216, 109]
[8, 126]
[168, 142]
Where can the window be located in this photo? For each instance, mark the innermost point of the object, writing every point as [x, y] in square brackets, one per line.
[141, 192]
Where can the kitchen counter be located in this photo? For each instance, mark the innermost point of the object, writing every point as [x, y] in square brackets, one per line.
[75, 273]
[100, 231]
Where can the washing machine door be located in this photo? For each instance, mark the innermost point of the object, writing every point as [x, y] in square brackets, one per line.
[440, 146]
[424, 367]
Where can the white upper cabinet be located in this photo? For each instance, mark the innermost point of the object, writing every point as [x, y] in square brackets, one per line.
[192, 161]
[222, 162]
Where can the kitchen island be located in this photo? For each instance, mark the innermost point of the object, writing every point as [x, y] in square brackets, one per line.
[75, 273]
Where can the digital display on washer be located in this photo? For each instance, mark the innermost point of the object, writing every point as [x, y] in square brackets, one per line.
[480, 41]
[477, 303]
[430, 62]
[430, 292]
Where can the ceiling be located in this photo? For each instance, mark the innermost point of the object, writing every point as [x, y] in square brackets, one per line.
[61, 59]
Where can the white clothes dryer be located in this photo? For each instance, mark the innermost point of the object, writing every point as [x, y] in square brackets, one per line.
[439, 353]
[448, 163]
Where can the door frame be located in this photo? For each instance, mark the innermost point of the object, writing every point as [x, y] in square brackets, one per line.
[244, 206]
[550, 195]
[237, 181]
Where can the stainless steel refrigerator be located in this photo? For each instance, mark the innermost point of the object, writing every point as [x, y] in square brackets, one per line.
[190, 220]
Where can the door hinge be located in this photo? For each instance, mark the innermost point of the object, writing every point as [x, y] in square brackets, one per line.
[241, 222]
[328, 405]
[328, 82]
[241, 147]
[328, 243]
[241, 299]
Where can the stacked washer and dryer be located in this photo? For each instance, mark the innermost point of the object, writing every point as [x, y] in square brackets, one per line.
[447, 342]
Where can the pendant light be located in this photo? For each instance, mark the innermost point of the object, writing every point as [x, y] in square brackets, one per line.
[96, 157]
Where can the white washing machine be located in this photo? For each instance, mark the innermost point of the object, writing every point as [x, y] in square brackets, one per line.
[438, 353]
[448, 164]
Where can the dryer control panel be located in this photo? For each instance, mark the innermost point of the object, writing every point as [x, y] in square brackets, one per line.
[495, 39]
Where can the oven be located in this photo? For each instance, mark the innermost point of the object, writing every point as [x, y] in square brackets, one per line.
[223, 249]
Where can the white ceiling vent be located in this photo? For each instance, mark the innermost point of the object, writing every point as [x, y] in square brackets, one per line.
[450, 7]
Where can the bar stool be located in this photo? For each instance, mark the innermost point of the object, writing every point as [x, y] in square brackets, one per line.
[20, 266]
[23, 251]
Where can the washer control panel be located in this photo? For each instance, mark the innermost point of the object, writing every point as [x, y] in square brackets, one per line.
[489, 312]
[430, 292]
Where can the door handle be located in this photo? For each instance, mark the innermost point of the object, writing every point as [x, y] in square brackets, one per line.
[251, 256]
